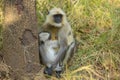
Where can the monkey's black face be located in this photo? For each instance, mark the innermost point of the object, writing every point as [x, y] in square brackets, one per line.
[57, 18]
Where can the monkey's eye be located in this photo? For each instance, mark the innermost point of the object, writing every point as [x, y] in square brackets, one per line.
[58, 18]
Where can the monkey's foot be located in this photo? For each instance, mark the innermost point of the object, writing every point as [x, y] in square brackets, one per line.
[48, 71]
[58, 74]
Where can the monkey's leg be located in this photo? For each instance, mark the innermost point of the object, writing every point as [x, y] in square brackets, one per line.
[70, 51]
[59, 70]
[60, 66]
[58, 74]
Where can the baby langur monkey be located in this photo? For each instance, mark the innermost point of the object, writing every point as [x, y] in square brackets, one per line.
[48, 52]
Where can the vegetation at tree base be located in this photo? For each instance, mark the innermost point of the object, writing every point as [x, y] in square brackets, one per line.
[96, 25]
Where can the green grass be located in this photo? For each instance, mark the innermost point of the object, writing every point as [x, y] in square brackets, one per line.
[96, 24]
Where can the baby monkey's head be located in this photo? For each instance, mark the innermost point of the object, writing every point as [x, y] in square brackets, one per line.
[44, 36]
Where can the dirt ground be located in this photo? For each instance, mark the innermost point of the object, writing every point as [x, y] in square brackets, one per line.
[6, 73]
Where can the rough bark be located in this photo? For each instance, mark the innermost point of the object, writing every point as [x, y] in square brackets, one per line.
[20, 45]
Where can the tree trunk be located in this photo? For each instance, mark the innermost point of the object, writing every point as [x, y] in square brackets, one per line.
[20, 42]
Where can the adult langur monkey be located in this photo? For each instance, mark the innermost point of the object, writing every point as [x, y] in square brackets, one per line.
[56, 23]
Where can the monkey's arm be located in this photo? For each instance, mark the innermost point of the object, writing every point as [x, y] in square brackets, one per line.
[67, 44]
[61, 52]
[69, 53]
[41, 54]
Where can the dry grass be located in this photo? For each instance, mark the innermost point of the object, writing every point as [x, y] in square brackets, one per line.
[96, 24]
